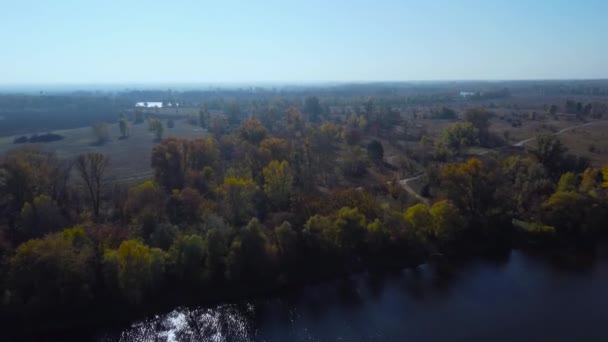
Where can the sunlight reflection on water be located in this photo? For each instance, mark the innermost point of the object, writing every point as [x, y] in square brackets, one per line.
[228, 322]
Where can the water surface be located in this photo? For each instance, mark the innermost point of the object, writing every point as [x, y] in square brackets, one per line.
[519, 298]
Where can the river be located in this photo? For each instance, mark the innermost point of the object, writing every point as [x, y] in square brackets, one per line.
[515, 298]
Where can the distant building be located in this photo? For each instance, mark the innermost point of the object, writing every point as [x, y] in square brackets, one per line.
[149, 104]
[466, 94]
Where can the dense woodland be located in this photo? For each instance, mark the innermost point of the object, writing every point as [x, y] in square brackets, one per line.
[277, 194]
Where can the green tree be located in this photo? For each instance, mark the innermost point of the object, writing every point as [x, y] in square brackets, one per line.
[139, 269]
[40, 217]
[446, 221]
[278, 180]
[187, 255]
[53, 274]
[248, 259]
[351, 229]
[124, 127]
[313, 108]
[460, 135]
[204, 118]
[480, 119]
[375, 151]
[567, 182]
[550, 152]
[236, 196]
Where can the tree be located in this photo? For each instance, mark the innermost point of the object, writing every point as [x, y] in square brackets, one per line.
[124, 127]
[446, 221]
[460, 135]
[187, 255]
[553, 110]
[278, 180]
[53, 274]
[252, 131]
[248, 259]
[275, 148]
[29, 172]
[354, 163]
[480, 119]
[236, 199]
[350, 229]
[92, 169]
[375, 151]
[101, 132]
[176, 160]
[204, 118]
[139, 269]
[156, 126]
[567, 182]
[139, 116]
[40, 217]
[470, 186]
[145, 205]
[550, 152]
[287, 240]
[233, 112]
[418, 218]
[313, 108]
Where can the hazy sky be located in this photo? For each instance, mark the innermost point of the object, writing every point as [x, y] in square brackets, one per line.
[113, 41]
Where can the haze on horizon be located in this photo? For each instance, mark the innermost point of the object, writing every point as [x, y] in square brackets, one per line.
[116, 42]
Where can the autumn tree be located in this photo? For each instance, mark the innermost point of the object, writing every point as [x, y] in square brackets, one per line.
[92, 168]
[27, 173]
[176, 160]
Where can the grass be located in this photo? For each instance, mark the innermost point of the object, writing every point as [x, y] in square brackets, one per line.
[129, 158]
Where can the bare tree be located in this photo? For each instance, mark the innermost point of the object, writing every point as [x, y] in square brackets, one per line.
[92, 168]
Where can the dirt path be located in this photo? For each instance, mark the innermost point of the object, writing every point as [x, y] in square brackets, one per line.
[521, 143]
[406, 187]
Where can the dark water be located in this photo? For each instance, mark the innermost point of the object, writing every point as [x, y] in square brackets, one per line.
[518, 298]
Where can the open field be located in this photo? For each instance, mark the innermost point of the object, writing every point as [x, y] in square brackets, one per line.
[130, 158]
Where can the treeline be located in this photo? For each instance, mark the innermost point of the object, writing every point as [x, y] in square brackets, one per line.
[27, 113]
[258, 205]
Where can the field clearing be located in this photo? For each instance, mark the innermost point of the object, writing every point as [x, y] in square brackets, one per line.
[129, 158]
[590, 141]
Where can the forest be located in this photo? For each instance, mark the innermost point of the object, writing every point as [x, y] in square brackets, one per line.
[280, 192]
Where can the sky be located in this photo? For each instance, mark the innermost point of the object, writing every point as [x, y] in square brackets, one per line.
[224, 41]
